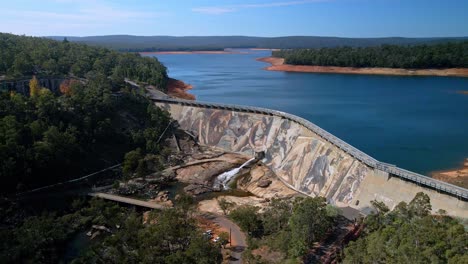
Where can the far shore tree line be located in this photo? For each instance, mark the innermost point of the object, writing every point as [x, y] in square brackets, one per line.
[439, 56]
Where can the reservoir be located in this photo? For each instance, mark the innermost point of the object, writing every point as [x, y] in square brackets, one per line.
[417, 123]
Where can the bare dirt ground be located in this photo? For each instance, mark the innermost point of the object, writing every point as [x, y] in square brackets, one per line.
[179, 89]
[212, 206]
[277, 64]
[457, 177]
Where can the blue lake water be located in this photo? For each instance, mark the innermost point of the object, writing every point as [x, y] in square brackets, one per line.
[418, 123]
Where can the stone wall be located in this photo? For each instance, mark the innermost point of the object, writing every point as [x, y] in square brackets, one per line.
[303, 159]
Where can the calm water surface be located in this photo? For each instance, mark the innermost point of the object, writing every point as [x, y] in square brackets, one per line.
[418, 123]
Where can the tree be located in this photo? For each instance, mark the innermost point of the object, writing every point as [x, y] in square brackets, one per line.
[410, 235]
[309, 223]
[34, 87]
[420, 205]
[276, 215]
[443, 55]
[96, 127]
[131, 161]
[225, 205]
[66, 86]
[248, 220]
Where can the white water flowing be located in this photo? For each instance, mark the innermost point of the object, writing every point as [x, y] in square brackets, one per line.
[222, 181]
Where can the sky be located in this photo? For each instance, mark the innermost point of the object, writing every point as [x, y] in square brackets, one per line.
[269, 18]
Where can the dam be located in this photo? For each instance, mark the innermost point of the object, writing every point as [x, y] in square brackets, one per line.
[304, 157]
[308, 159]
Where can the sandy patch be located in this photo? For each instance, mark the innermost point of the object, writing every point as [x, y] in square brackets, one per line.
[457, 177]
[212, 206]
[179, 89]
[277, 64]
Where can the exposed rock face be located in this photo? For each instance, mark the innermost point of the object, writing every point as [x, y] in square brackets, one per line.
[162, 198]
[262, 182]
[22, 86]
[203, 172]
[197, 189]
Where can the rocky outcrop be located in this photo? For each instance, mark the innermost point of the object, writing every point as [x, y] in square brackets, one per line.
[264, 183]
[197, 189]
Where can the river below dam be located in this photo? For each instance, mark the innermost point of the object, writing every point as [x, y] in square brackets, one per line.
[418, 123]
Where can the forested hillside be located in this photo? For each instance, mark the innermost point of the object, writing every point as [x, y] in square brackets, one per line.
[170, 43]
[90, 124]
[446, 55]
[24, 56]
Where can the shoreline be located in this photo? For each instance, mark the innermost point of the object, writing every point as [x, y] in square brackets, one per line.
[277, 64]
[227, 51]
[179, 89]
[457, 176]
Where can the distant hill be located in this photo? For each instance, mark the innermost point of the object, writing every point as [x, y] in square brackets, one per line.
[165, 43]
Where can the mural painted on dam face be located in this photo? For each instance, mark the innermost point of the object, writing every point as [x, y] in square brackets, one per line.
[294, 153]
[282, 137]
[239, 132]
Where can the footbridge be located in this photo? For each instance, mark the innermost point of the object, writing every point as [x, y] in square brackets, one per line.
[308, 158]
[126, 200]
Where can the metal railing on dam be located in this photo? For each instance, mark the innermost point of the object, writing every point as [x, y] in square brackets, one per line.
[453, 190]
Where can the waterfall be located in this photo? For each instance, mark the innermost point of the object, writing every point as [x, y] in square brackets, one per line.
[222, 180]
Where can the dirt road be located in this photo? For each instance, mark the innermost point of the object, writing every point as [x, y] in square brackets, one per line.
[238, 238]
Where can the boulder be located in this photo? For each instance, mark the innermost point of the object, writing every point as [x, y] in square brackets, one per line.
[264, 183]
[95, 234]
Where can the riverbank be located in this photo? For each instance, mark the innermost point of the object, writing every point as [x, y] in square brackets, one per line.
[457, 177]
[179, 89]
[277, 64]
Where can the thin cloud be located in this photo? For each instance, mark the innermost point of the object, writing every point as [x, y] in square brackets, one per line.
[218, 10]
[213, 10]
[84, 14]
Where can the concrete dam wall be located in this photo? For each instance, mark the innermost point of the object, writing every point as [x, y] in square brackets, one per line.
[309, 159]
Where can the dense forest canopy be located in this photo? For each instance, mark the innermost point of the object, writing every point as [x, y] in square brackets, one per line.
[409, 234]
[446, 55]
[130, 238]
[90, 124]
[170, 43]
[23, 56]
[290, 227]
